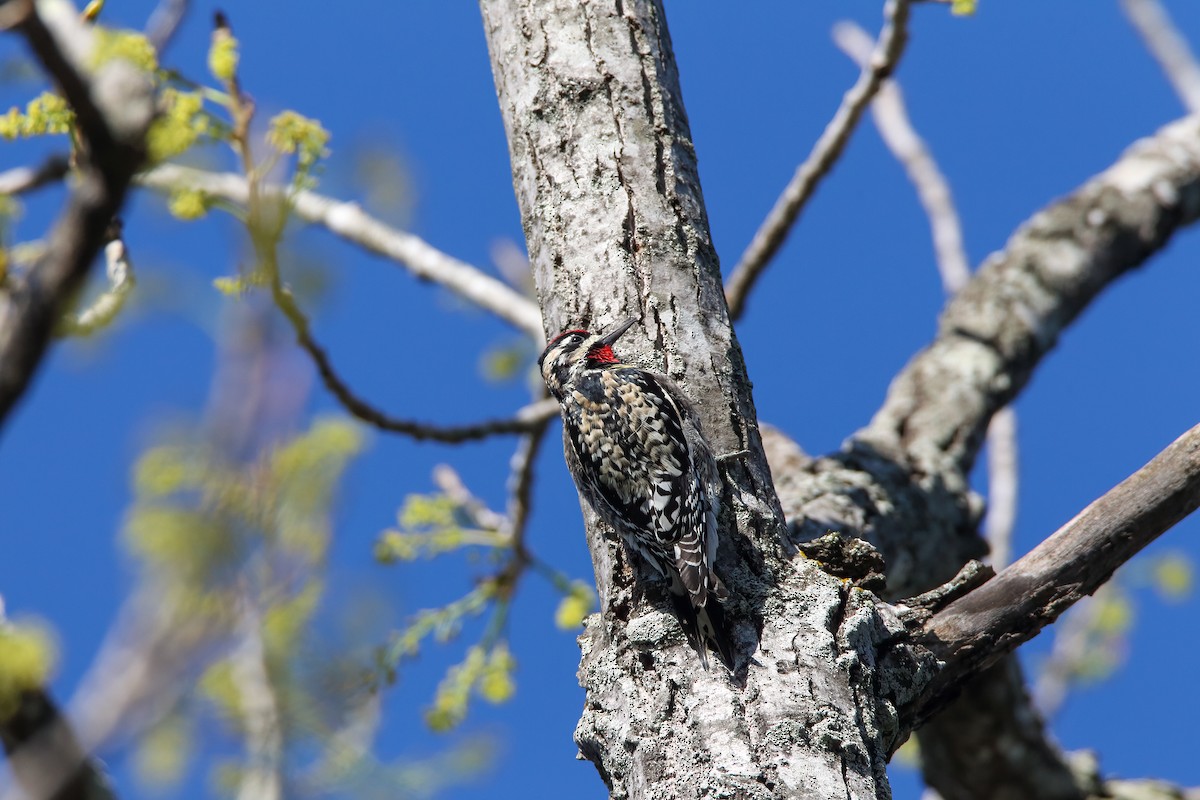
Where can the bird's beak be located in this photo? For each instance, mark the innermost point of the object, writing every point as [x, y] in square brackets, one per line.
[615, 333]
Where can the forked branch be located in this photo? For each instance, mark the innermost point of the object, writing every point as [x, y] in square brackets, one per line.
[974, 631]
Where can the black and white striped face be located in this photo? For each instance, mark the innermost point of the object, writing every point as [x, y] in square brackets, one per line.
[571, 352]
[565, 354]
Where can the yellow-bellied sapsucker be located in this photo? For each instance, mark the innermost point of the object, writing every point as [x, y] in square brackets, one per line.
[634, 446]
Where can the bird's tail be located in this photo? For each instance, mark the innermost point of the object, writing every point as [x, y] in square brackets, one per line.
[705, 629]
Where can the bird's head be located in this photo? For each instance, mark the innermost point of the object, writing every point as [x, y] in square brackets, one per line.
[571, 352]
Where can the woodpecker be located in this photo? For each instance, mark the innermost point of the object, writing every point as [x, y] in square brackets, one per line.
[634, 446]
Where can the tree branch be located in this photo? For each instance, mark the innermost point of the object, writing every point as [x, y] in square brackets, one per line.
[112, 111]
[46, 758]
[1168, 47]
[994, 333]
[21, 180]
[164, 23]
[825, 153]
[975, 630]
[914, 457]
[907, 146]
[351, 223]
[994, 706]
[261, 717]
[526, 420]
[104, 308]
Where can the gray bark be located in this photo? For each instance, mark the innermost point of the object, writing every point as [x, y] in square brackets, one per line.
[605, 176]
[901, 483]
[113, 109]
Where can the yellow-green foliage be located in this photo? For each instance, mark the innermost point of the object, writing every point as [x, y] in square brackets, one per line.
[290, 132]
[307, 468]
[503, 363]
[10, 211]
[198, 516]
[242, 545]
[92, 10]
[217, 686]
[431, 525]
[963, 8]
[132, 46]
[1174, 576]
[179, 126]
[48, 113]
[27, 655]
[579, 601]
[1100, 625]
[188, 204]
[488, 672]
[241, 284]
[223, 55]
[161, 755]
[285, 622]
[442, 623]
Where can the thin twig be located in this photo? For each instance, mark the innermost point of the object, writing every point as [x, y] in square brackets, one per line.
[265, 230]
[910, 150]
[21, 180]
[526, 419]
[104, 309]
[164, 23]
[1168, 47]
[447, 479]
[520, 486]
[1003, 485]
[825, 153]
[351, 223]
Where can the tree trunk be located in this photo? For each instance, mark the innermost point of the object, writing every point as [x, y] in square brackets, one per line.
[605, 175]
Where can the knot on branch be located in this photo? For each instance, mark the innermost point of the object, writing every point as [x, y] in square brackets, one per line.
[844, 556]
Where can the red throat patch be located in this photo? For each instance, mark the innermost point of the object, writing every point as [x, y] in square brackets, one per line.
[602, 354]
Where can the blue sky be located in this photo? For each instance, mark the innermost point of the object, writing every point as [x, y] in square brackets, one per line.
[1019, 104]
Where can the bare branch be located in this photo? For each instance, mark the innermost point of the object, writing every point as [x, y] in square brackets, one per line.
[46, 758]
[520, 485]
[21, 180]
[994, 333]
[351, 223]
[933, 190]
[263, 778]
[825, 153]
[1168, 47]
[112, 111]
[1003, 482]
[977, 629]
[141, 668]
[527, 419]
[164, 22]
[891, 118]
